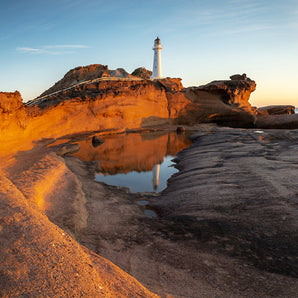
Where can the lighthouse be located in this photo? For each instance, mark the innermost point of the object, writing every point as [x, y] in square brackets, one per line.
[156, 73]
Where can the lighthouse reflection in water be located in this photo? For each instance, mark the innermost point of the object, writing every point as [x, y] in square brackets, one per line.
[140, 161]
[149, 181]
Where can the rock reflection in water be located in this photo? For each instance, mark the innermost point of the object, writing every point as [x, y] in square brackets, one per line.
[141, 162]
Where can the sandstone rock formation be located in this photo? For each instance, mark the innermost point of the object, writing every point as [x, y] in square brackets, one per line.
[235, 92]
[13, 122]
[120, 103]
[86, 73]
[10, 102]
[39, 259]
[12, 110]
[171, 84]
[142, 73]
[223, 102]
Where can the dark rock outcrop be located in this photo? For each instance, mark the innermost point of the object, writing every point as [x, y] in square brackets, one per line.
[96, 141]
[276, 110]
[236, 194]
[180, 129]
[238, 77]
[277, 121]
[234, 118]
[142, 73]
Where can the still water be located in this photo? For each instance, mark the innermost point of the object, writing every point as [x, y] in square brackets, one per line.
[146, 181]
[141, 162]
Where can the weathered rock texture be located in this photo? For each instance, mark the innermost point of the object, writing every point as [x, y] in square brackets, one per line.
[119, 104]
[235, 201]
[276, 110]
[142, 73]
[227, 222]
[13, 122]
[38, 258]
[12, 110]
[277, 121]
[222, 102]
[85, 73]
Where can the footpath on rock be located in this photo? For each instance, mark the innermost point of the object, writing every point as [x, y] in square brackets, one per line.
[226, 223]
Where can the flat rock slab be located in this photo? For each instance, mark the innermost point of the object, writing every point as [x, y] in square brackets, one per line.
[237, 195]
[227, 221]
[277, 121]
[276, 110]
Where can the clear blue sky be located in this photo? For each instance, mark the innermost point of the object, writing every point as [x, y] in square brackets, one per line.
[202, 41]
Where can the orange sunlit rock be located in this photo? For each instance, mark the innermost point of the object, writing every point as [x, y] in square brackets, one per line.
[39, 259]
[118, 104]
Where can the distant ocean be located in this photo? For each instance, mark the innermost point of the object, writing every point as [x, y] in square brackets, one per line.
[296, 110]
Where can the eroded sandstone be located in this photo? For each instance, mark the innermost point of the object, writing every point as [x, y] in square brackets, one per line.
[226, 224]
[40, 259]
[117, 104]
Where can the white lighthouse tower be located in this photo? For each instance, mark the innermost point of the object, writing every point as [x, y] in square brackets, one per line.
[156, 73]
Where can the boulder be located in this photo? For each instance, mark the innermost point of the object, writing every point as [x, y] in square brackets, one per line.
[171, 84]
[142, 73]
[276, 110]
[13, 113]
[10, 101]
[180, 130]
[96, 141]
[120, 73]
[238, 77]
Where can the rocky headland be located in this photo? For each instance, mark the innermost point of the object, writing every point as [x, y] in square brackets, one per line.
[102, 102]
[226, 223]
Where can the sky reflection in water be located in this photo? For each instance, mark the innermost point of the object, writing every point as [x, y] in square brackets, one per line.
[142, 181]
